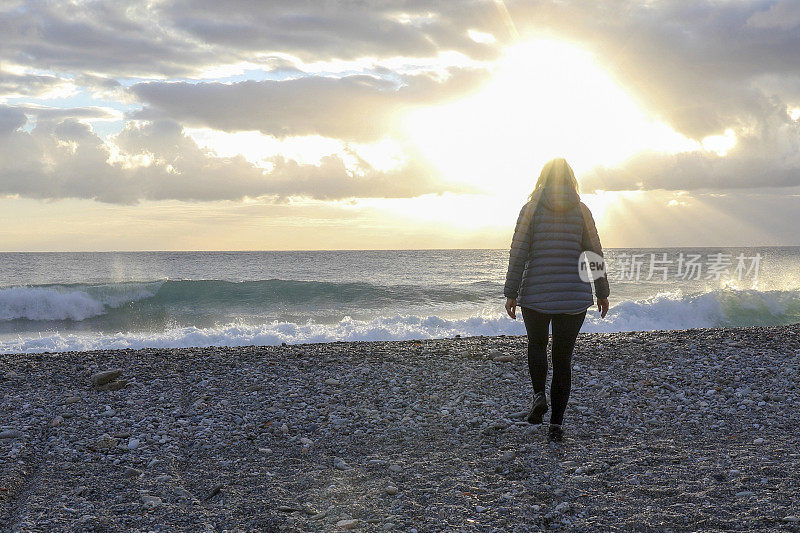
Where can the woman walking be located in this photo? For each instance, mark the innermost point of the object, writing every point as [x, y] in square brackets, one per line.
[543, 278]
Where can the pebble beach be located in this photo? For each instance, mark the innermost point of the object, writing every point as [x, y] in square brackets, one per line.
[665, 431]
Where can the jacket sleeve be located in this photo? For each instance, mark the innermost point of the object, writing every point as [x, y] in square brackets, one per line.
[591, 241]
[520, 247]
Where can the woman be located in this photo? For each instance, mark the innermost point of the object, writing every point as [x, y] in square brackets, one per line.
[543, 278]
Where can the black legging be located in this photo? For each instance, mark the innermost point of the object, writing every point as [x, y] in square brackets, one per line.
[565, 331]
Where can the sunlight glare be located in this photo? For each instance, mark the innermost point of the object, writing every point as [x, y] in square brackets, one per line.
[547, 99]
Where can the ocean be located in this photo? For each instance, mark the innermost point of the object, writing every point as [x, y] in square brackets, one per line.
[84, 301]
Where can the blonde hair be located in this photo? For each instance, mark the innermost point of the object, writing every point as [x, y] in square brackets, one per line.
[556, 173]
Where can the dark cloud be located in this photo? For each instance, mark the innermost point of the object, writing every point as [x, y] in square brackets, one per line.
[176, 38]
[67, 160]
[119, 37]
[348, 29]
[11, 119]
[358, 107]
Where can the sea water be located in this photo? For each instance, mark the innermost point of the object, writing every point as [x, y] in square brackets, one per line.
[83, 301]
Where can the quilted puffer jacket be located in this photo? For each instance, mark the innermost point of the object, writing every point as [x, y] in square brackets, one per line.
[552, 230]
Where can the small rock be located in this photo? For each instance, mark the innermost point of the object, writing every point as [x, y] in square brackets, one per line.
[107, 442]
[391, 490]
[331, 381]
[480, 509]
[150, 502]
[347, 524]
[759, 440]
[340, 465]
[395, 468]
[132, 472]
[72, 399]
[562, 507]
[133, 444]
[305, 441]
[791, 518]
[107, 376]
[10, 434]
[213, 492]
[744, 493]
[56, 421]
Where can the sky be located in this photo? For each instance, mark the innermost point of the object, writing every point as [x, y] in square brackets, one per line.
[241, 125]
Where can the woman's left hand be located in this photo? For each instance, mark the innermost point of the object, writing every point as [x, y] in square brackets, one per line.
[511, 307]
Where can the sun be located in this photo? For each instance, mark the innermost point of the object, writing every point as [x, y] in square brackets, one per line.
[547, 99]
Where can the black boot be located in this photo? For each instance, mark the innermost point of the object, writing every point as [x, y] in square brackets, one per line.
[538, 408]
[555, 433]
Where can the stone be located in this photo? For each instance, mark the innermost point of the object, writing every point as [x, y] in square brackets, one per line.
[131, 472]
[133, 444]
[10, 434]
[347, 524]
[150, 502]
[113, 385]
[339, 464]
[106, 442]
[332, 381]
[391, 490]
[106, 376]
[56, 421]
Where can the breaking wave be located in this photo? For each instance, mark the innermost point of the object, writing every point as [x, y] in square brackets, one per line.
[667, 311]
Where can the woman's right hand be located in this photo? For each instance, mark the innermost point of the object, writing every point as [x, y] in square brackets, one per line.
[602, 306]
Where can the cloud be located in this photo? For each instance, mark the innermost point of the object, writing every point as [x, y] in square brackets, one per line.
[342, 30]
[784, 14]
[180, 38]
[157, 161]
[768, 156]
[353, 108]
[703, 67]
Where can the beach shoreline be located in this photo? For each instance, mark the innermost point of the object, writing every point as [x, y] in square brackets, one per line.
[665, 430]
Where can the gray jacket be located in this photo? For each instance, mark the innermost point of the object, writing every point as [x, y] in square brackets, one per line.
[553, 228]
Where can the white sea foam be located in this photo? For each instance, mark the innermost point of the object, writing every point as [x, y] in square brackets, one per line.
[664, 311]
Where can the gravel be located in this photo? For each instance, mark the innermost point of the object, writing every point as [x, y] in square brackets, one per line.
[666, 431]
